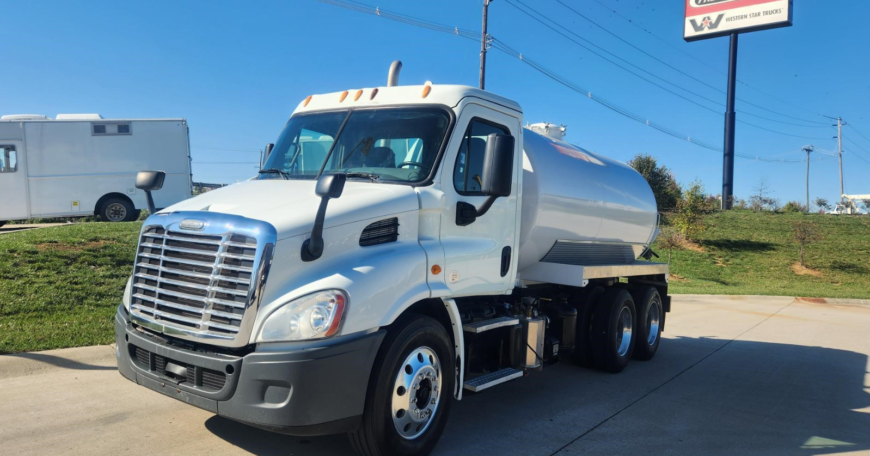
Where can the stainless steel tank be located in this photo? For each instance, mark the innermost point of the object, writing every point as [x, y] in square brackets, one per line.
[581, 208]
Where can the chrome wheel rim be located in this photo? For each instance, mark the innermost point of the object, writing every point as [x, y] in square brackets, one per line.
[116, 212]
[653, 320]
[623, 331]
[416, 393]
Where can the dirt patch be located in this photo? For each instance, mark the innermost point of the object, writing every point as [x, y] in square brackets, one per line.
[720, 262]
[691, 245]
[800, 270]
[58, 247]
[814, 300]
[676, 278]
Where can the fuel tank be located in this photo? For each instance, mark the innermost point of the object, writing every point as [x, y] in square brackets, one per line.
[581, 208]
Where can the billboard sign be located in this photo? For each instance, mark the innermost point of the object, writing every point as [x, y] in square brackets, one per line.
[712, 18]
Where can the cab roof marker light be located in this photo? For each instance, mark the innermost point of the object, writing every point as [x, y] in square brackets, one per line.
[307, 100]
[343, 96]
[426, 89]
[374, 92]
[358, 94]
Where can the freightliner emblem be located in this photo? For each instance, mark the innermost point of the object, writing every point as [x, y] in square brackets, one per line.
[192, 225]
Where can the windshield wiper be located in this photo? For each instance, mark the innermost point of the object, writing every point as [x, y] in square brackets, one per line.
[372, 176]
[283, 174]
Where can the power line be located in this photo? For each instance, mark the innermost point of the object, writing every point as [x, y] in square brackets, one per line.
[858, 156]
[509, 2]
[824, 124]
[859, 133]
[503, 47]
[713, 68]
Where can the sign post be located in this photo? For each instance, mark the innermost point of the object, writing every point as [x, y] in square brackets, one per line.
[714, 18]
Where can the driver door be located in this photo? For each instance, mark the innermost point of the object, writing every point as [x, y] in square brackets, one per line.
[480, 257]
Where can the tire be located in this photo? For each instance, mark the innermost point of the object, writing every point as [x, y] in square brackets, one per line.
[650, 316]
[116, 210]
[391, 386]
[586, 303]
[614, 321]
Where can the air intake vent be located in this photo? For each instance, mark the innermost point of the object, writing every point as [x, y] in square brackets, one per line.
[380, 232]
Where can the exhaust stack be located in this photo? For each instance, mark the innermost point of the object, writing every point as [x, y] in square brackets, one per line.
[393, 78]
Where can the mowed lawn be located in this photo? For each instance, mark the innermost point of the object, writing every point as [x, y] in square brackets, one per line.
[747, 253]
[59, 287]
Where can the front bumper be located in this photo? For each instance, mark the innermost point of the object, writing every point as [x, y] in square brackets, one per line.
[301, 388]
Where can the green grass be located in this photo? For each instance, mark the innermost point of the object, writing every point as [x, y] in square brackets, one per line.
[747, 253]
[59, 287]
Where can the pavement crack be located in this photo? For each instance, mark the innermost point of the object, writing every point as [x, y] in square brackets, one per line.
[670, 379]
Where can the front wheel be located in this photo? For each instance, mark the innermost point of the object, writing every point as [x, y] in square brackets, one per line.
[410, 392]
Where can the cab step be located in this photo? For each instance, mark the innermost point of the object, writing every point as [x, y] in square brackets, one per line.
[485, 381]
[486, 325]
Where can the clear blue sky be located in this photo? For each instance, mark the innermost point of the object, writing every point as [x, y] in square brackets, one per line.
[236, 70]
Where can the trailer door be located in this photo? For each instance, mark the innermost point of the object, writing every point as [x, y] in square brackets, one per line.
[13, 181]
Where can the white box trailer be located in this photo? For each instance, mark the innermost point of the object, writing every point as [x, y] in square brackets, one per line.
[82, 164]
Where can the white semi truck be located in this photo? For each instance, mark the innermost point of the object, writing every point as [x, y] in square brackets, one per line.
[402, 246]
[77, 165]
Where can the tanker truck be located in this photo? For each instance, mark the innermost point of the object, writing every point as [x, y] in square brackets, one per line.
[401, 247]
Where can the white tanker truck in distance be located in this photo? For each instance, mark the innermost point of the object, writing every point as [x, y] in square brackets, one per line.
[402, 246]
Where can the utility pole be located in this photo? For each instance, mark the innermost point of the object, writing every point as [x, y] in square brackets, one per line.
[484, 39]
[730, 120]
[808, 149]
[840, 154]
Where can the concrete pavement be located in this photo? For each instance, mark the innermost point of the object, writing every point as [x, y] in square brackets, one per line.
[734, 375]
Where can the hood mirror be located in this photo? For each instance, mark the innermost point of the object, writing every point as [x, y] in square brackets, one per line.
[150, 181]
[329, 186]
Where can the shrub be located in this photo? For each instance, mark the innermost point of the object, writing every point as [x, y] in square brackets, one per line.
[794, 206]
[688, 219]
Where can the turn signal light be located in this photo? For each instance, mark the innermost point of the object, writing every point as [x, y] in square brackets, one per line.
[436, 269]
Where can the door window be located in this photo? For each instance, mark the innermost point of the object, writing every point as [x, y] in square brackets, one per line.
[469, 161]
[8, 159]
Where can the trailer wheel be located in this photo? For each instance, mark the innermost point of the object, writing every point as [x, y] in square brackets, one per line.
[613, 336]
[410, 391]
[586, 303]
[116, 210]
[649, 318]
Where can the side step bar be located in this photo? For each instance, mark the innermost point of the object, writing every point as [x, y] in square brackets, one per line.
[485, 381]
[486, 325]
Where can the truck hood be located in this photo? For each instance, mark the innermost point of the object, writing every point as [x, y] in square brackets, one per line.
[291, 205]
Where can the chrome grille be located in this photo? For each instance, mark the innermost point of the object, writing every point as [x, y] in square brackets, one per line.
[199, 284]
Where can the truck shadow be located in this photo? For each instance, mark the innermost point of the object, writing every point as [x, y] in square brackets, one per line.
[58, 361]
[700, 395]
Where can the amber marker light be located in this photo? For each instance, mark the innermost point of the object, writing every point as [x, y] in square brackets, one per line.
[374, 92]
[343, 96]
[358, 94]
[307, 100]
[436, 269]
[426, 90]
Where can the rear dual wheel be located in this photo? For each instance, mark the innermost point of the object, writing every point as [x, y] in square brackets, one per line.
[613, 336]
[650, 319]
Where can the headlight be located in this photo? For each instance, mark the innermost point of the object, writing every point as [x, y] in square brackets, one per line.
[313, 316]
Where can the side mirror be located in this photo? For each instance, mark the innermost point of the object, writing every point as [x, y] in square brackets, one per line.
[266, 152]
[150, 181]
[496, 177]
[329, 186]
[498, 166]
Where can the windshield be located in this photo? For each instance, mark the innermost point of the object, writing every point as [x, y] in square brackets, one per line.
[387, 145]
